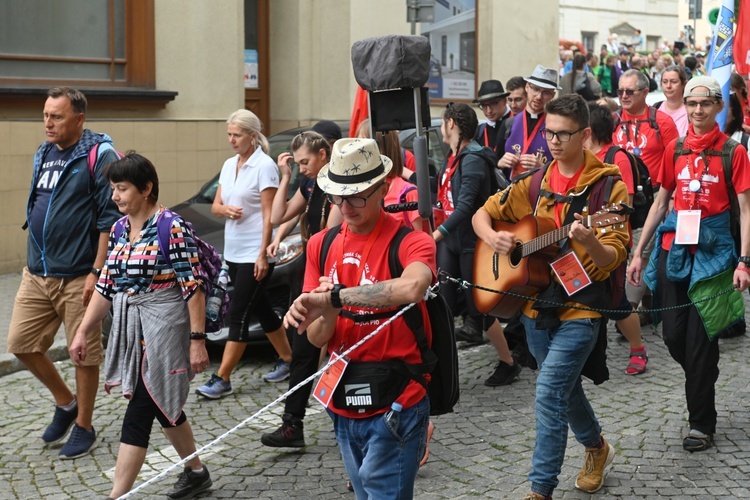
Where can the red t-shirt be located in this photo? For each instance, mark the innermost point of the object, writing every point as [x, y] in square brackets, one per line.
[713, 197]
[631, 135]
[561, 185]
[394, 341]
[626, 169]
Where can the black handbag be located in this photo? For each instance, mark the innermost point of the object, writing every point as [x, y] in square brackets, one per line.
[370, 385]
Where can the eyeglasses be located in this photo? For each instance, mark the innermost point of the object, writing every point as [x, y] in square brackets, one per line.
[488, 104]
[354, 201]
[702, 104]
[562, 136]
[545, 92]
[516, 100]
[628, 92]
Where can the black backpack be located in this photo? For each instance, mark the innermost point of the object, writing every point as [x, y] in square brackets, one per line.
[643, 198]
[439, 360]
[726, 153]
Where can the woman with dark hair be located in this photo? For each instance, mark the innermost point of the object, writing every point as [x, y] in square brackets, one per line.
[673, 81]
[157, 342]
[248, 183]
[463, 185]
[580, 81]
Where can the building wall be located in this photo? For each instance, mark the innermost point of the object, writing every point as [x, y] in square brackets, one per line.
[652, 17]
[199, 53]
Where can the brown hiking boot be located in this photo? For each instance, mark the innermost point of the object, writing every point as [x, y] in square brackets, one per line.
[591, 477]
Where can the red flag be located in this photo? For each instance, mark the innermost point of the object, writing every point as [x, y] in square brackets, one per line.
[360, 111]
[742, 41]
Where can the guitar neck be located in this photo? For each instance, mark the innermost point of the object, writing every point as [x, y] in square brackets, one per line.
[545, 240]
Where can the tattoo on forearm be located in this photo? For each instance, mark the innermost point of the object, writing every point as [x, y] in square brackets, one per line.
[375, 295]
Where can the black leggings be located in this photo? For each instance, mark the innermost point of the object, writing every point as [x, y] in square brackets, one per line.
[249, 296]
[139, 417]
[305, 361]
[459, 264]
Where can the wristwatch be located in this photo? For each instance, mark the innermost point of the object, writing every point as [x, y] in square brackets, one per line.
[745, 259]
[96, 271]
[335, 297]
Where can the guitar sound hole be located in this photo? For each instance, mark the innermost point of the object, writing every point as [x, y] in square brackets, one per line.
[516, 255]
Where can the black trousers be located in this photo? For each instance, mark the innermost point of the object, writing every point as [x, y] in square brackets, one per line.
[305, 362]
[249, 295]
[459, 264]
[140, 415]
[688, 344]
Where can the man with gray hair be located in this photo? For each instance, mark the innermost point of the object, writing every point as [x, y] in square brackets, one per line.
[644, 131]
[69, 215]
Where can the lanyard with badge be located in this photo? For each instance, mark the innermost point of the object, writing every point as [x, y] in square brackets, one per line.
[689, 221]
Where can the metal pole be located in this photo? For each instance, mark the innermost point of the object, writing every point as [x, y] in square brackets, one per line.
[424, 202]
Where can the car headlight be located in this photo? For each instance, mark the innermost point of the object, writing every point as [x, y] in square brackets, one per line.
[289, 249]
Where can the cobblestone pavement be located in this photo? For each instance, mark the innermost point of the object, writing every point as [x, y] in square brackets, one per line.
[481, 451]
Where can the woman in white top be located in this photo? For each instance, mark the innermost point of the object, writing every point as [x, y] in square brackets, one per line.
[247, 185]
[673, 81]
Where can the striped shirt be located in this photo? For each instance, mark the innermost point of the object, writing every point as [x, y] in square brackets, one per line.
[142, 268]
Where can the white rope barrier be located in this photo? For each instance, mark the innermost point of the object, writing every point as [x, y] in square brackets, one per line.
[266, 408]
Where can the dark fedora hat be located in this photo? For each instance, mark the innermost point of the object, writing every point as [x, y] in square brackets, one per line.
[491, 89]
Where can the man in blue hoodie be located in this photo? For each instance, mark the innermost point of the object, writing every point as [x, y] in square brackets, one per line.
[69, 215]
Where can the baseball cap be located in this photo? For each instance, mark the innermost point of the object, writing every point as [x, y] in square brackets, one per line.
[714, 89]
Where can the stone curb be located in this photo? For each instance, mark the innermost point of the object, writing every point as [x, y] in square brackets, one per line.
[10, 364]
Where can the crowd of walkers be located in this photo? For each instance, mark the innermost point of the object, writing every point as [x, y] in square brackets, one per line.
[549, 148]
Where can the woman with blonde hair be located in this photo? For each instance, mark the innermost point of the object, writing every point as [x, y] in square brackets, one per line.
[247, 185]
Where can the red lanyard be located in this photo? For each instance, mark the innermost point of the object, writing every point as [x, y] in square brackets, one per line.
[486, 136]
[350, 280]
[528, 139]
[696, 175]
[445, 183]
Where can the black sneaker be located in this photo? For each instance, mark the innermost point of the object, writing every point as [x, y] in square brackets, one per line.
[289, 435]
[191, 483]
[504, 374]
[61, 424]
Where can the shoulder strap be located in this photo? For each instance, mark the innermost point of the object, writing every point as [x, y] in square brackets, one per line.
[537, 176]
[610, 156]
[164, 233]
[727, 153]
[326, 245]
[119, 227]
[617, 115]
[652, 121]
[92, 157]
[678, 148]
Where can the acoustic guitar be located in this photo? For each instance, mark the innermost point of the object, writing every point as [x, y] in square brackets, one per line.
[525, 269]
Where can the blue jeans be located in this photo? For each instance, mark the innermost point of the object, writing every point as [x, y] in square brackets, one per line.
[383, 462]
[560, 400]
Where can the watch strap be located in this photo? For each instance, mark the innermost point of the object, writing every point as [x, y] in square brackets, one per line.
[335, 296]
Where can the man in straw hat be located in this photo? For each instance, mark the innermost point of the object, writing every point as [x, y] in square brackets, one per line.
[686, 276]
[525, 147]
[356, 279]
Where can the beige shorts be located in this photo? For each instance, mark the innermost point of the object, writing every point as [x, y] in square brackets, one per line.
[44, 303]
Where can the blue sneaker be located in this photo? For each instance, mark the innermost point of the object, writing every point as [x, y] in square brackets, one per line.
[280, 372]
[60, 426]
[215, 388]
[81, 443]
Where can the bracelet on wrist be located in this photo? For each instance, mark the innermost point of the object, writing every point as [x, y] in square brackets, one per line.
[198, 336]
[744, 269]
